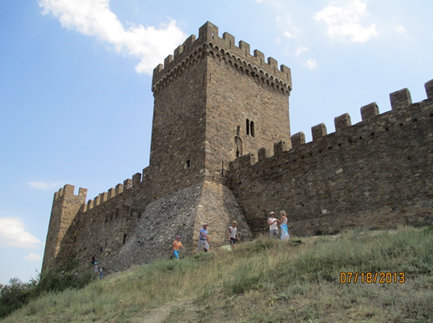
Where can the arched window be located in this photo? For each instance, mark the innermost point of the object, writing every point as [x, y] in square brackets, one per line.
[250, 128]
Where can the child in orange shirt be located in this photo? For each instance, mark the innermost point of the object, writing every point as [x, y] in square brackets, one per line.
[176, 245]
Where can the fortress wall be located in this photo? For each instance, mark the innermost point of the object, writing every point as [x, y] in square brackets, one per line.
[101, 226]
[376, 174]
[132, 228]
[103, 230]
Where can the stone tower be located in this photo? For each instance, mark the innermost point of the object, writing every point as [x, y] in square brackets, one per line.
[65, 207]
[214, 102]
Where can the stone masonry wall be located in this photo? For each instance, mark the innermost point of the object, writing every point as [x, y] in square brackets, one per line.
[242, 115]
[177, 156]
[101, 226]
[376, 174]
[181, 213]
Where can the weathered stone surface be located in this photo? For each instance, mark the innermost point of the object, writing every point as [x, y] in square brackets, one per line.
[400, 99]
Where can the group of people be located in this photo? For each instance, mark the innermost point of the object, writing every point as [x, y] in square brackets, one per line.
[203, 239]
[232, 234]
[273, 223]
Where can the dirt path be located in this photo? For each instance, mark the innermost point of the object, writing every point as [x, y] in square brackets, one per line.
[160, 314]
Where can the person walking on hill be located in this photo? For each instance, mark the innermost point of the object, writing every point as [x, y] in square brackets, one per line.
[203, 239]
[273, 225]
[176, 246]
[232, 233]
[283, 225]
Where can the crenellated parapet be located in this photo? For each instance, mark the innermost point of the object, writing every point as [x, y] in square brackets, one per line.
[68, 191]
[372, 124]
[113, 192]
[222, 48]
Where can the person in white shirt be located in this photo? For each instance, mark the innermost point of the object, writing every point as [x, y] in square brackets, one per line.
[232, 234]
[273, 226]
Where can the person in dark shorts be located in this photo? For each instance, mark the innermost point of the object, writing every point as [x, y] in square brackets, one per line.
[232, 233]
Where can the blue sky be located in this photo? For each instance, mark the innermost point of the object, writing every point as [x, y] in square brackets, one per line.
[75, 85]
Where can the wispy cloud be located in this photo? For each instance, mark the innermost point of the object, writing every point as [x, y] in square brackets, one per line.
[311, 63]
[94, 18]
[14, 234]
[288, 35]
[401, 30]
[345, 22]
[45, 185]
[300, 50]
[32, 257]
[287, 25]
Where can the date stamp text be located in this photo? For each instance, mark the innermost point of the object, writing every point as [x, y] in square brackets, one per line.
[372, 278]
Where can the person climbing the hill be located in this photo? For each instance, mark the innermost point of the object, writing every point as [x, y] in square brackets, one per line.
[203, 239]
[232, 233]
[176, 246]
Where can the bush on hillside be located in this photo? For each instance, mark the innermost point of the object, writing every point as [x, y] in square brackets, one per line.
[14, 295]
[17, 293]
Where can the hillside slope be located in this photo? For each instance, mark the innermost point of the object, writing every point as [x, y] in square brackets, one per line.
[301, 280]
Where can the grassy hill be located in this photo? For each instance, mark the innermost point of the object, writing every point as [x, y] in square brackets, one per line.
[264, 280]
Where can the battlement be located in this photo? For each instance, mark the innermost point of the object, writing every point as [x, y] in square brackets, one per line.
[128, 184]
[372, 124]
[223, 48]
[68, 190]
